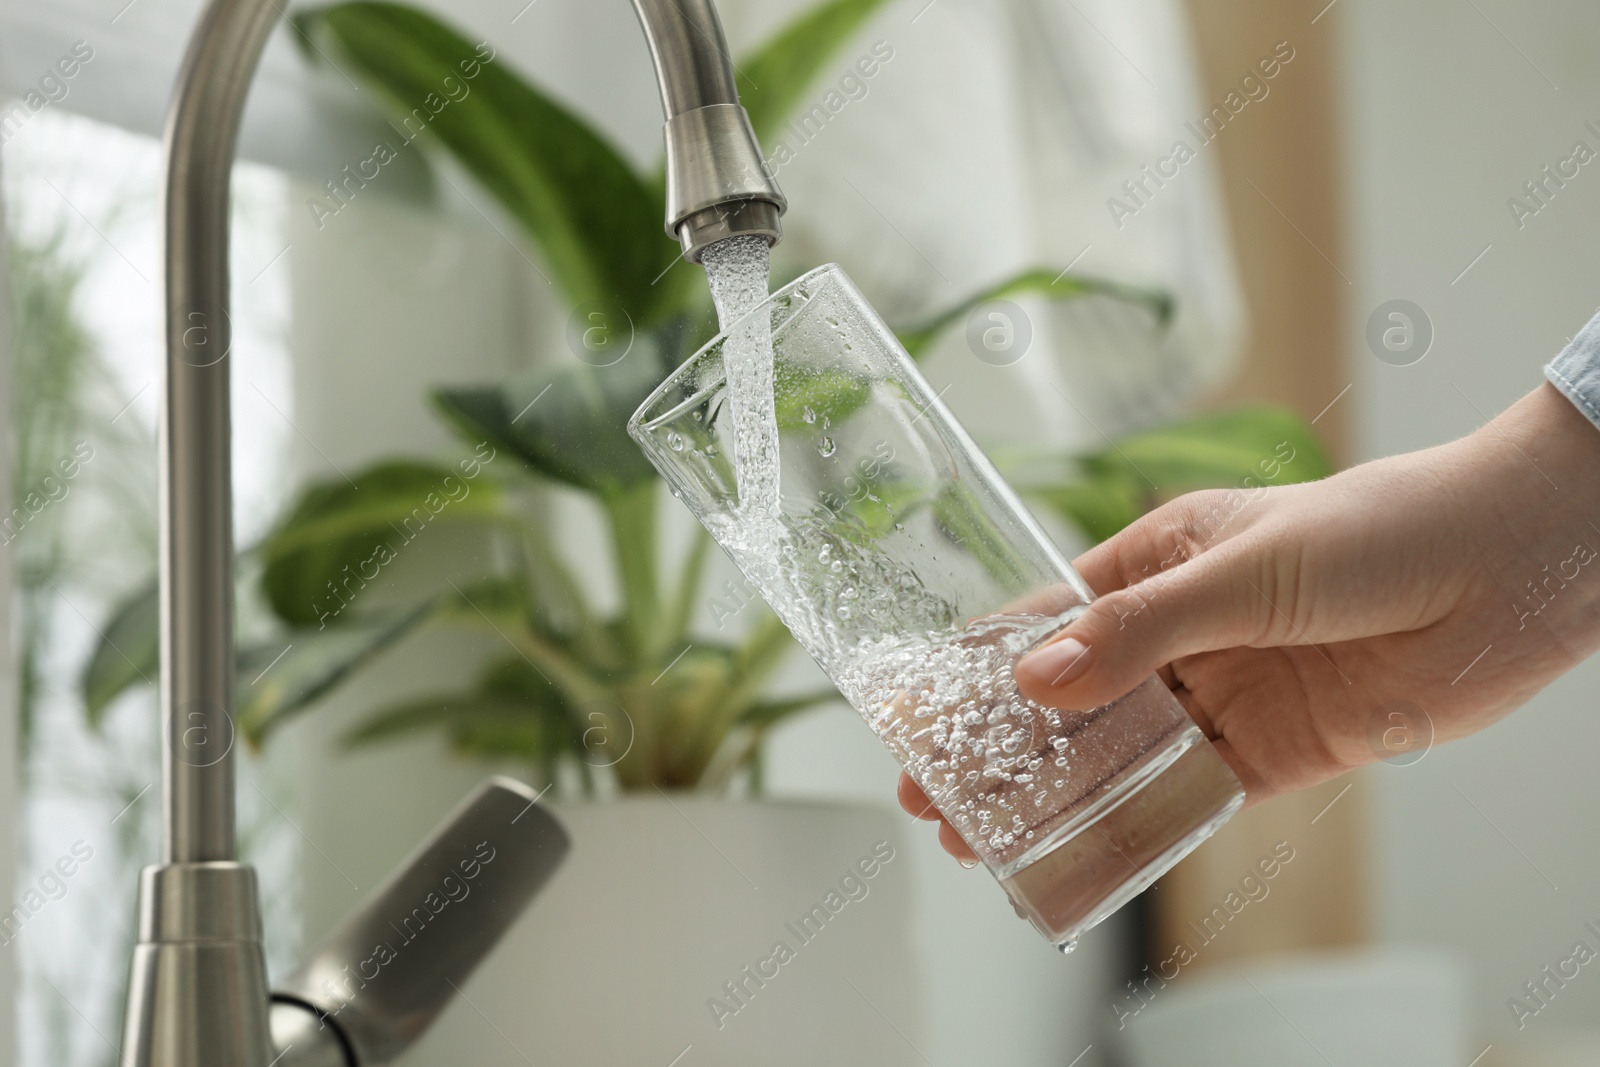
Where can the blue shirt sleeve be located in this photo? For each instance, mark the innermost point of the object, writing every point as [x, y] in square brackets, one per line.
[1576, 371]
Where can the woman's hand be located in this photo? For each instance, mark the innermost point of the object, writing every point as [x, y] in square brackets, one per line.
[1299, 624]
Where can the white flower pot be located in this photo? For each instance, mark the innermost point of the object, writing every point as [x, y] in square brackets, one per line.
[718, 931]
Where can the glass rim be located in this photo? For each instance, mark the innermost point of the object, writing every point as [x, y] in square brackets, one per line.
[637, 423]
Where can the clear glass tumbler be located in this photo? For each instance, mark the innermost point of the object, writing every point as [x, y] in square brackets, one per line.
[916, 579]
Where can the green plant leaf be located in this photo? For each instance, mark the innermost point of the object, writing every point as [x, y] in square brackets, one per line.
[501, 606]
[1270, 445]
[570, 424]
[447, 711]
[1104, 491]
[1056, 285]
[632, 518]
[127, 654]
[270, 685]
[962, 518]
[1099, 507]
[804, 397]
[775, 79]
[339, 536]
[769, 713]
[475, 726]
[511, 711]
[271, 690]
[596, 220]
[503, 602]
[514, 678]
[875, 505]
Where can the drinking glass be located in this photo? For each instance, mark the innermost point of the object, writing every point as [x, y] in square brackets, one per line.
[916, 579]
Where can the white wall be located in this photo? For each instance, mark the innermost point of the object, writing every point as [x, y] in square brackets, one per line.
[1447, 117]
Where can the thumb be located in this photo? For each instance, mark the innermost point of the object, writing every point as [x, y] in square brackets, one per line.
[1206, 603]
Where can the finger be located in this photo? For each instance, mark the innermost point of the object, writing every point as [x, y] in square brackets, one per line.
[1165, 538]
[916, 803]
[1208, 603]
[914, 800]
[954, 844]
[1197, 712]
[1154, 543]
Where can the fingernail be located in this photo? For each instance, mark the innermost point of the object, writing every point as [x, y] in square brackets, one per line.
[1057, 663]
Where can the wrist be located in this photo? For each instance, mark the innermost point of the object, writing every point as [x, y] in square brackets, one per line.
[1535, 486]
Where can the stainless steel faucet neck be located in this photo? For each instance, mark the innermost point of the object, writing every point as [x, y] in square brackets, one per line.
[195, 442]
[691, 57]
[197, 993]
[197, 985]
[718, 183]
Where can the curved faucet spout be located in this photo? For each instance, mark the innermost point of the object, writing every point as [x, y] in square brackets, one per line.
[718, 184]
[197, 990]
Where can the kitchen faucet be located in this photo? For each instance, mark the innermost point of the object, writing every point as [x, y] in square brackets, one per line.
[198, 994]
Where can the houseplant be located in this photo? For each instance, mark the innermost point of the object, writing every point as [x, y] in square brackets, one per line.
[636, 692]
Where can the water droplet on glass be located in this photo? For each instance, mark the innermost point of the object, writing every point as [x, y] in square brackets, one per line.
[826, 446]
[675, 441]
[809, 415]
[1066, 947]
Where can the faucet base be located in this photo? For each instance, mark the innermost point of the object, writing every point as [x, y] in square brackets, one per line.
[197, 991]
